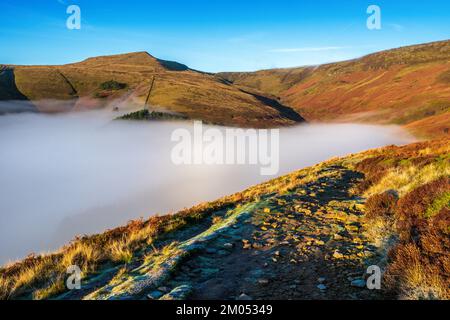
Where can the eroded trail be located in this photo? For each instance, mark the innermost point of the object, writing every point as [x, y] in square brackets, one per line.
[308, 243]
[304, 245]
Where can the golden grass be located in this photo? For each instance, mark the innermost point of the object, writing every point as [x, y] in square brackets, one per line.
[82, 254]
[217, 219]
[379, 231]
[415, 277]
[405, 179]
[56, 286]
[25, 278]
[119, 276]
[6, 284]
[419, 261]
[120, 251]
[157, 257]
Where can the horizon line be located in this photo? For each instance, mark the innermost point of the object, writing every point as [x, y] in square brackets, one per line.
[282, 50]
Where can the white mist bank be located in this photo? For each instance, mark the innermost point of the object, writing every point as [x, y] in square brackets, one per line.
[72, 174]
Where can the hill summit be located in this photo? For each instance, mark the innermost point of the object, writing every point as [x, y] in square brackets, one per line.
[142, 58]
[135, 81]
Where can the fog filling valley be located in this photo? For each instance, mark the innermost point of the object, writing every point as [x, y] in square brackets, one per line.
[72, 174]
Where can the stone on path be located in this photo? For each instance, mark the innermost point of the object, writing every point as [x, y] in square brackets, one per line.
[243, 296]
[337, 255]
[321, 287]
[228, 245]
[155, 295]
[179, 293]
[359, 283]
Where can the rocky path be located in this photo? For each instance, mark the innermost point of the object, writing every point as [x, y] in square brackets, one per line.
[306, 244]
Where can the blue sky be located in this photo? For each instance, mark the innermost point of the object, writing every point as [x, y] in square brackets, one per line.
[212, 35]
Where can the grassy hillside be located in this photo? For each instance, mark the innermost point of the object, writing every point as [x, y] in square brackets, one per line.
[274, 81]
[309, 234]
[147, 82]
[407, 86]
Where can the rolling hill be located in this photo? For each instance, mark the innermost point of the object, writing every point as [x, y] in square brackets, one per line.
[408, 86]
[129, 82]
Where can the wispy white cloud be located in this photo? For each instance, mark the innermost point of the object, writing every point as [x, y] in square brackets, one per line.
[307, 49]
[396, 26]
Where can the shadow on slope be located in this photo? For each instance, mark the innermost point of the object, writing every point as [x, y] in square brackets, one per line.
[285, 111]
[9, 91]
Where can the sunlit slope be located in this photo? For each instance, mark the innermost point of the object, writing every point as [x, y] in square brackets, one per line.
[164, 85]
[387, 207]
[408, 86]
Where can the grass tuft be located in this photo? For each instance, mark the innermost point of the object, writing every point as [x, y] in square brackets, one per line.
[120, 252]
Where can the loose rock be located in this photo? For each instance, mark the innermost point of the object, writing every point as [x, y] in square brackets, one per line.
[228, 245]
[243, 296]
[337, 255]
[322, 287]
[179, 293]
[155, 295]
[359, 283]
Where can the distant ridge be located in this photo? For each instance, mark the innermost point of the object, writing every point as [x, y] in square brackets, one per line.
[174, 87]
[408, 86]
